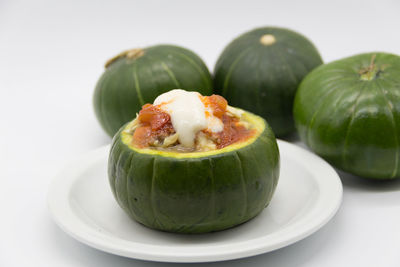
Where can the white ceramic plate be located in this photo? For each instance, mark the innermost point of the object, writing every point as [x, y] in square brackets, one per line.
[309, 193]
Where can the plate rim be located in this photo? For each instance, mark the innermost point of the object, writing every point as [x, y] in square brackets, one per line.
[63, 215]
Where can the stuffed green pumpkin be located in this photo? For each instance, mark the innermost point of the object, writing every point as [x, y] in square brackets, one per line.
[165, 184]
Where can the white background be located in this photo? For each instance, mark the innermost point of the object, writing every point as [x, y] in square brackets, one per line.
[51, 55]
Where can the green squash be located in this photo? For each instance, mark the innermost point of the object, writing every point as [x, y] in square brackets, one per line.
[348, 112]
[260, 71]
[138, 76]
[195, 192]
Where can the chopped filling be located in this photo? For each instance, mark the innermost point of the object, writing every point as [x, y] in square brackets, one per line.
[233, 132]
[183, 124]
[155, 126]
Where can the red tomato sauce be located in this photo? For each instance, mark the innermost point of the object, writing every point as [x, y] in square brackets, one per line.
[232, 132]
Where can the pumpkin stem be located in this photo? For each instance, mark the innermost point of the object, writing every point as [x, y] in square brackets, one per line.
[131, 54]
[371, 72]
[267, 39]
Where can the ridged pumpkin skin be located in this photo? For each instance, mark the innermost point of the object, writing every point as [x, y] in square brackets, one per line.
[195, 192]
[138, 76]
[348, 112]
[261, 70]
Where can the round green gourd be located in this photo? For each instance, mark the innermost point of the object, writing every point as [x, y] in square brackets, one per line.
[138, 76]
[348, 112]
[195, 192]
[260, 71]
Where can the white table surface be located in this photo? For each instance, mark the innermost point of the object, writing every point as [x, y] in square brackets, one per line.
[51, 55]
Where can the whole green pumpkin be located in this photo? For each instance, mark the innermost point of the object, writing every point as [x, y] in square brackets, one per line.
[260, 71]
[138, 76]
[195, 192]
[348, 112]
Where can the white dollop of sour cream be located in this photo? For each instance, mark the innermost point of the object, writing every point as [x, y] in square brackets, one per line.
[188, 114]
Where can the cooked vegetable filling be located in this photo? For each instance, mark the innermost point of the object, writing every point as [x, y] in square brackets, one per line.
[187, 121]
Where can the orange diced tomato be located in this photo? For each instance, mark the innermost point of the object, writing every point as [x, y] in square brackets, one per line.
[218, 104]
[154, 116]
[142, 136]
